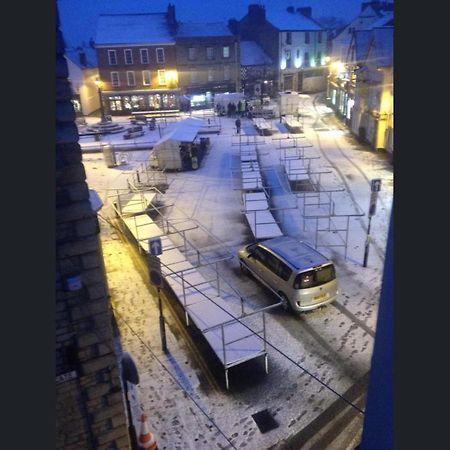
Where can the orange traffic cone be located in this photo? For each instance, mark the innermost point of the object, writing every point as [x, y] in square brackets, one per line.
[146, 439]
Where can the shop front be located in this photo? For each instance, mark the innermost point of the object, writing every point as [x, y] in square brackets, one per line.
[124, 103]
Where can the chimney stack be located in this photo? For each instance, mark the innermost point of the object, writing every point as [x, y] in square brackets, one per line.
[257, 14]
[171, 19]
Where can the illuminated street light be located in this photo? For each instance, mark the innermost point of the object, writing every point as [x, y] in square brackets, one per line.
[98, 83]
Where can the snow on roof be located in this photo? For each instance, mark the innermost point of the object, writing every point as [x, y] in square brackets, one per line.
[284, 20]
[253, 55]
[191, 29]
[133, 29]
[384, 46]
[91, 57]
[183, 131]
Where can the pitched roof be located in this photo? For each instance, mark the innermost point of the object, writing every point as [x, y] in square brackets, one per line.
[148, 28]
[253, 55]
[91, 57]
[211, 29]
[284, 20]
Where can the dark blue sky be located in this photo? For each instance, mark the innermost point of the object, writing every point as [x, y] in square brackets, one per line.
[79, 17]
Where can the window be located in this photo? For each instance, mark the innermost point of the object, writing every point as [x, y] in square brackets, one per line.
[226, 52]
[162, 77]
[115, 81]
[115, 103]
[128, 56]
[131, 79]
[298, 54]
[319, 37]
[160, 55]
[112, 57]
[192, 53]
[319, 58]
[210, 75]
[314, 278]
[306, 60]
[226, 73]
[306, 37]
[284, 271]
[144, 56]
[209, 52]
[146, 81]
[287, 54]
[288, 38]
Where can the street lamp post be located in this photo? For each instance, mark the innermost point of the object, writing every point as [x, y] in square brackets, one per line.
[99, 89]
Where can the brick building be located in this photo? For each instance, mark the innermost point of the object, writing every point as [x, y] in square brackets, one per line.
[90, 404]
[137, 62]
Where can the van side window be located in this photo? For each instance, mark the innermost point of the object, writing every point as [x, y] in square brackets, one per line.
[284, 271]
[272, 262]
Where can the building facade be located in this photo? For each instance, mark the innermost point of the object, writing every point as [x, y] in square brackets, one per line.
[90, 404]
[137, 63]
[257, 72]
[83, 73]
[348, 48]
[295, 42]
[372, 118]
[208, 61]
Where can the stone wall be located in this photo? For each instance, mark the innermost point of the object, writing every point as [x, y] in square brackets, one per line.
[90, 404]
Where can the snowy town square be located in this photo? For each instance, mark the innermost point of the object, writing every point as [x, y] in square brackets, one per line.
[224, 202]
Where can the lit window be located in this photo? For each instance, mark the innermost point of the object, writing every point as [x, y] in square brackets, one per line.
[146, 77]
[115, 81]
[144, 56]
[226, 52]
[112, 57]
[162, 77]
[128, 55]
[160, 55]
[131, 79]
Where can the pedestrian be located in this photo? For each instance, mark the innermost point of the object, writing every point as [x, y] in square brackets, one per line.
[239, 107]
[238, 125]
[229, 109]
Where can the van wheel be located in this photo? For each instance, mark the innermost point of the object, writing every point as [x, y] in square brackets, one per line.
[244, 269]
[284, 301]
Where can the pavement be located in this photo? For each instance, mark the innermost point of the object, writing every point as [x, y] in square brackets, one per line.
[181, 394]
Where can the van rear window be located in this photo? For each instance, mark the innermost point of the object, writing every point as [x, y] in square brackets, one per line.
[315, 277]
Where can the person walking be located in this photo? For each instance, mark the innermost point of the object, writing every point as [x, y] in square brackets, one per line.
[238, 125]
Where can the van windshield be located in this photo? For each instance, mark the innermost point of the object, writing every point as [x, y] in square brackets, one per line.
[316, 277]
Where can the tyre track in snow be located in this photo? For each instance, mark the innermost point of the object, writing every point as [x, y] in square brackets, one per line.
[379, 251]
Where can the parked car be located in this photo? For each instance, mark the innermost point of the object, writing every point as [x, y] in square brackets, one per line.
[301, 277]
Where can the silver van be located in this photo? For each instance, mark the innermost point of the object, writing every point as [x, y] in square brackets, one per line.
[299, 275]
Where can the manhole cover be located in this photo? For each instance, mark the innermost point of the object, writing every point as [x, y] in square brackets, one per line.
[265, 421]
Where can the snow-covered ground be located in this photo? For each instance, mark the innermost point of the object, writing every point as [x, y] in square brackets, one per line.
[188, 409]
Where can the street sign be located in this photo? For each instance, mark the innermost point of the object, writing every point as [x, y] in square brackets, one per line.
[155, 246]
[156, 277]
[373, 203]
[375, 185]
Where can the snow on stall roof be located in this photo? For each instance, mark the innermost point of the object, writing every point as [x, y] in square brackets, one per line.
[195, 29]
[133, 29]
[183, 131]
[253, 55]
[284, 20]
